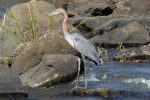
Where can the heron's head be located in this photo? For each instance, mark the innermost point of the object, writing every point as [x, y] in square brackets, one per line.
[56, 12]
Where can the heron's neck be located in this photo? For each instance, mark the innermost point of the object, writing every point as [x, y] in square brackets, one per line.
[64, 23]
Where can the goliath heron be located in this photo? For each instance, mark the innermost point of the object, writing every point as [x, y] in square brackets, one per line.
[79, 43]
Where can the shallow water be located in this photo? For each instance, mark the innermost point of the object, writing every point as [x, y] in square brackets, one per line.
[131, 77]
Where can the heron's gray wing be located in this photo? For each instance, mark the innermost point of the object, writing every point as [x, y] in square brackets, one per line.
[76, 37]
[85, 47]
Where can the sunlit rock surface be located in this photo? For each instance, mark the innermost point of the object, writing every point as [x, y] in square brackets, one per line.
[53, 69]
[132, 33]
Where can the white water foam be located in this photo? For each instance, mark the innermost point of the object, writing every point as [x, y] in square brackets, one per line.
[89, 78]
[104, 77]
[138, 81]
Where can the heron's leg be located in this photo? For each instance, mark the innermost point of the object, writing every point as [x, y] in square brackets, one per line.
[100, 52]
[85, 69]
[78, 73]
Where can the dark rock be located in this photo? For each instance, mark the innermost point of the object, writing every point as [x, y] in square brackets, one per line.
[92, 8]
[52, 70]
[132, 33]
[92, 26]
[10, 85]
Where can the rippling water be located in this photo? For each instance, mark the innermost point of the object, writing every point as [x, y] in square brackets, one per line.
[131, 77]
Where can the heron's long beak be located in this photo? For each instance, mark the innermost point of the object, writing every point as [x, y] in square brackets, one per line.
[52, 13]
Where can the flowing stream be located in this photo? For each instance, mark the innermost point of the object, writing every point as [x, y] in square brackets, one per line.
[130, 77]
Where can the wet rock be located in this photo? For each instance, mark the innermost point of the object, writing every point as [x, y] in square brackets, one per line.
[132, 33]
[10, 85]
[134, 54]
[95, 92]
[53, 69]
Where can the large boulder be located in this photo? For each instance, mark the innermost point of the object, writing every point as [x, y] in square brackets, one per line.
[92, 8]
[78, 8]
[10, 85]
[132, 33]
[52, 69]
[18, 24]
[24, 12]
[98, 25]
[30, 54]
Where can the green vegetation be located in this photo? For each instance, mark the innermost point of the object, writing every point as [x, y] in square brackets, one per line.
[15, 31]
[123, 56]
[102, 52]
[6, 60]
[23, 32]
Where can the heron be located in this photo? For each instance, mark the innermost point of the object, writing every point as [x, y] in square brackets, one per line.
[79, 43]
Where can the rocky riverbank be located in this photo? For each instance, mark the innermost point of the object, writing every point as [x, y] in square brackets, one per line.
[47, 59]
